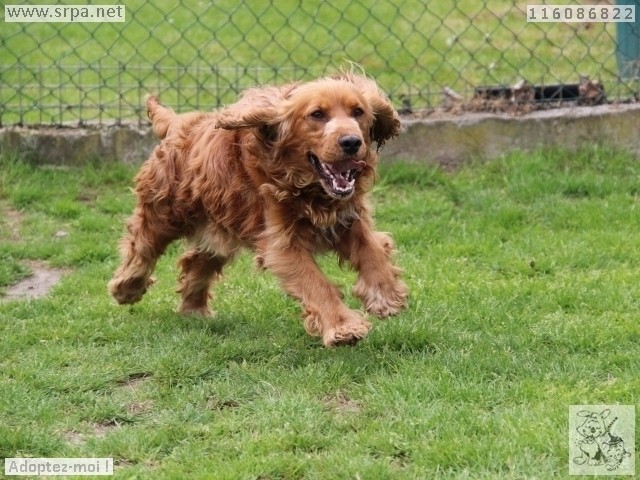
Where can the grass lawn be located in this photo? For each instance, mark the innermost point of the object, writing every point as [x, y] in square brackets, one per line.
[523, 274]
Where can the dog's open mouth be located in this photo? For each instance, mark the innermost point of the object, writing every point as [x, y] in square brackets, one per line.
[338, 178]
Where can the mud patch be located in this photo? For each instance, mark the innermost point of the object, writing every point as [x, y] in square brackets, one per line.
[74, 438]
[215, 403]
[96, 430]
[342, 404]
[37, 285]
[134, 380]
[12, 220]
[42, 278]
[140, 408]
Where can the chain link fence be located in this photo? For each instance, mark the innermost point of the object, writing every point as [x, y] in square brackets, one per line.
[201, 54]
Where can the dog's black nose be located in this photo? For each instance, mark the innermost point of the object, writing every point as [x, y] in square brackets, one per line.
[350, 144]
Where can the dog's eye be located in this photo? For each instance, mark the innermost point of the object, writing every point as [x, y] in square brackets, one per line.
[357, 112]
[318, 115]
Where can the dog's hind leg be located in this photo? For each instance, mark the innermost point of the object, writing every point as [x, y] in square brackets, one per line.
[199, 269]
[145, 240]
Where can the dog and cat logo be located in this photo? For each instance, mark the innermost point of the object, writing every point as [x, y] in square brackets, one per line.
[601, 440]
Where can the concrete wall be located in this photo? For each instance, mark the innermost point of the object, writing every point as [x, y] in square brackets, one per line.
[449, 141]
[455, 140]
[74, 146]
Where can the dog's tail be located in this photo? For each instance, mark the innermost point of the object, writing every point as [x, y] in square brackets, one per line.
[161, 117]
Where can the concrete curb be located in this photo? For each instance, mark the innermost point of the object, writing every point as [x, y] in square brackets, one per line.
[449, 141]
[75, 146]
[456, 140]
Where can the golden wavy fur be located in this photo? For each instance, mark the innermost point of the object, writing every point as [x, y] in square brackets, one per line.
[286, 172]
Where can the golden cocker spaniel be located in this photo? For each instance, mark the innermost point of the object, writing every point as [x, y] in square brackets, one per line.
[286, 172]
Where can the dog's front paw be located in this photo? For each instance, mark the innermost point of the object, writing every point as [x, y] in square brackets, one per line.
[382, 301]
[198, 310]
[348, 331]
[129, 290]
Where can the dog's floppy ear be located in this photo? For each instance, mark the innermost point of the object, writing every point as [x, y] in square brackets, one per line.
[258, 107]
[387, 122]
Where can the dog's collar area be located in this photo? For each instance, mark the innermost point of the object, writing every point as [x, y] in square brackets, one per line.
[338, 178]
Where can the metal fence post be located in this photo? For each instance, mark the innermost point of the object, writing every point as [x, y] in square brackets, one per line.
[628, 44]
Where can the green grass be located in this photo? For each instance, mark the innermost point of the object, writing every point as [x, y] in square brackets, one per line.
[201, 54]
[523, 274]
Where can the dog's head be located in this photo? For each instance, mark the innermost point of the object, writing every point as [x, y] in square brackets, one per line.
[323, 130]
[593, 425]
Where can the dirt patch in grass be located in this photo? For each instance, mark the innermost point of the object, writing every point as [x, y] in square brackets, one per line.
[139, 408]
[98, 430]
[341, 403]
[74, 438]
[134, 380]
[215, 403]
[42, 279]
[12, 219]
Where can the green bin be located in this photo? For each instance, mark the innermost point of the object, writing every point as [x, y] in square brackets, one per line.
[628, 49]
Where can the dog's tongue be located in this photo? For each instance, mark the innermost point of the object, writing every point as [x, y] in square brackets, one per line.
[345, 166]
[343, 173]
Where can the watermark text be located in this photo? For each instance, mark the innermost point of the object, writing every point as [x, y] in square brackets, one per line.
[64, 14]
[581, 13]
[58, 466]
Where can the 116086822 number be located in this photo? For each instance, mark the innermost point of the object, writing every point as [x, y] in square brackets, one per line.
[581, 13]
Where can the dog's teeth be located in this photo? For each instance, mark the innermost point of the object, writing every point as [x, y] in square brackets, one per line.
[341, 183]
